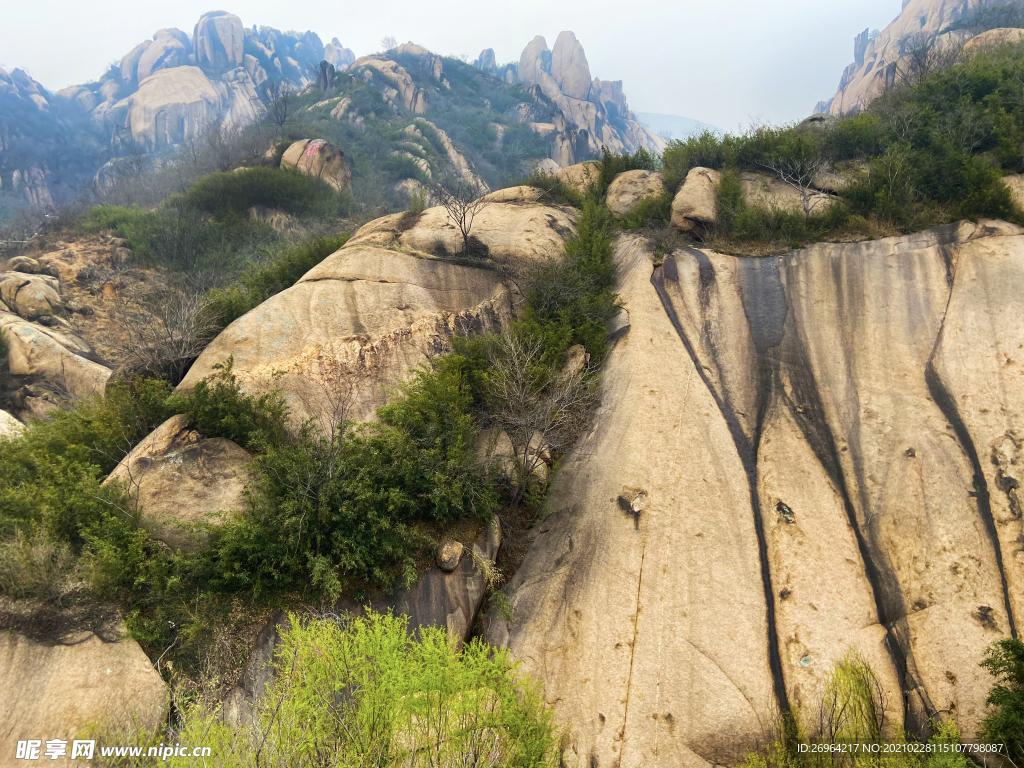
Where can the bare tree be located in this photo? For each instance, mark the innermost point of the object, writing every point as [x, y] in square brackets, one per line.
[538, 407]
[279, 103]
[461, 198]
[389, 42]
[798, 168]
[164, 330]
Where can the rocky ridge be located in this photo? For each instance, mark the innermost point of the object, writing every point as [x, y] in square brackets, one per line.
[596, 108]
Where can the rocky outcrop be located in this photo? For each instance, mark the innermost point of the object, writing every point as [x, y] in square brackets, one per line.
[56, 691]
[174, 105]
[629, 189]
[30, 296]
[54, 356]
[877, 54]
[10, 427]
[695, 205]
[338, 55]
[219, 42]
[407, 94]
[847, 409]
[369, 314]
[170, 48]
[320, 160]
[994, 38]
[181, 481]
[599, 109]
[579, 177]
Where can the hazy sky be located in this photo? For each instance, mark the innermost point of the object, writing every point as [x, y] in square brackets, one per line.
[721, 61]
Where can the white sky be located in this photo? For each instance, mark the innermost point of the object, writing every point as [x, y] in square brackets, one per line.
[724, 62]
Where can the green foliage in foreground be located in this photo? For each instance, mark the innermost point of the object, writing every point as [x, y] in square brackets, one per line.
[362, 692]
[853, 711]
[1005, 722]
[928, 152]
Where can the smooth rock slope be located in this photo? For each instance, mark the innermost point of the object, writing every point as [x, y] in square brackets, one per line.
[794, 458]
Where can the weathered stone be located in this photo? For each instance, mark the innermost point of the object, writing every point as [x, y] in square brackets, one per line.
[569, 66]
[52, 355]
[180, 480]
[10, 427]
[170, 48]
[320, 160]
[24, 264]
[515, 195]
[364, 318]
[695, 205]
[579, 177]
[516, 231]
[630, 188]
[994, 38]
[30, 296]
[50, 691]
[219, 42]
[448, 555]
[847, 409]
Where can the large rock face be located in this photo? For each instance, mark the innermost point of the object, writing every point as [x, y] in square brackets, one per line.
[793, 457]
[320, 160]
[172, 106]
[876, 54]
[597, 109]
[219, 42]
[55, 691]
[178, 479]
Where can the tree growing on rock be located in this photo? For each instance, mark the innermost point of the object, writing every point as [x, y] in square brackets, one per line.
[796, 159]
[461, 199]
[540, 406]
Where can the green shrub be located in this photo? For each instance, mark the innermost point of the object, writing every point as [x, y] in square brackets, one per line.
[652, 212]
[216, 407]
[260, 283]
[395, 700]
[571, 300]
[705, 150]
[52, 472]
[234, 193]
[338, 509]
[612, 165]
[1004, 724]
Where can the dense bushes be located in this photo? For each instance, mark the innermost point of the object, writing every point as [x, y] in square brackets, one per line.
[341, 507]
[928, 152]
[363, 692]
[235, 192]
[257, 284]
[209, 227]
[1005, 722]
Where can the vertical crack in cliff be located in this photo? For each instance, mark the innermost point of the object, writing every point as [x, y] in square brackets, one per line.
[947, 404]
[632, 650]
[749, 460]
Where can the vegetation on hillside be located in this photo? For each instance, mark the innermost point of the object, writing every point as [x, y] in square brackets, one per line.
[931, 150]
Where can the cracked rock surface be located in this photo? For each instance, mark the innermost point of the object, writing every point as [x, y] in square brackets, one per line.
[828, 447]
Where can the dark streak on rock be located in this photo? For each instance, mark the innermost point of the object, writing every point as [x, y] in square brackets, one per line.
[669, 271]
[949, 409]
